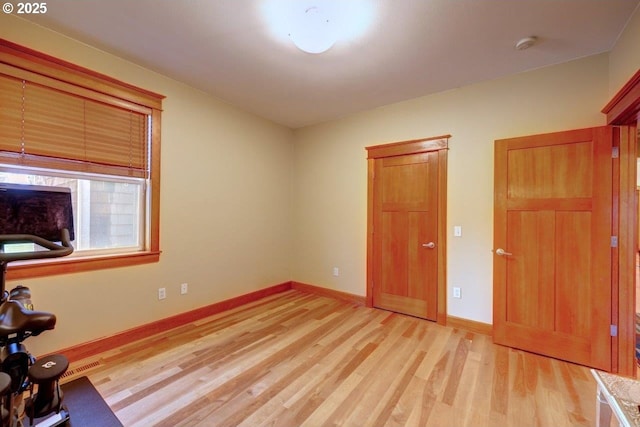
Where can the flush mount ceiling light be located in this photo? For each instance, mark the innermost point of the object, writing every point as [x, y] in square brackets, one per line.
[526, 43]
[314, 26]
[313, 30]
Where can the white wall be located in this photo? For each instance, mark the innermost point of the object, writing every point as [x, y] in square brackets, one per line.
[225, 208]
[330, 187]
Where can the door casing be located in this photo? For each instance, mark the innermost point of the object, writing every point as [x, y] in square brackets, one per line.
[624, 110]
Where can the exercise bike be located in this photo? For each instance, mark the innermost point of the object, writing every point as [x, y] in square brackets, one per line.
[20, 372]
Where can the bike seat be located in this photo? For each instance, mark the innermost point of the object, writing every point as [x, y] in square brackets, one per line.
[14, 319]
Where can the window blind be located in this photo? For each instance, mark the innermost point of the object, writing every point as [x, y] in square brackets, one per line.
[45, 126]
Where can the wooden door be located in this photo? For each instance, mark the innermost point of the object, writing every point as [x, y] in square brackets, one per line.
[406, 238]
[553, 228]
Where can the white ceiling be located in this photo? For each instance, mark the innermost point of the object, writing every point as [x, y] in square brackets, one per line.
[414, 48]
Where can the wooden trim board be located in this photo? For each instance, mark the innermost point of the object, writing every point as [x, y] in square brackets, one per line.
[100, 345]
[470, 325]
[624, 107]
[331, 293]
[624, 110]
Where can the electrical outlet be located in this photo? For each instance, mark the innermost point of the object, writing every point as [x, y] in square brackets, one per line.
[162, 293]
[457, 293]
[184, 288]
[336, 271]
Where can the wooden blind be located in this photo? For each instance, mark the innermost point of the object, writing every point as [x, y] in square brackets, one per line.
[45, 126]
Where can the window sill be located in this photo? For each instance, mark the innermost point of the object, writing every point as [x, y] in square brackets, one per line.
[23, 270]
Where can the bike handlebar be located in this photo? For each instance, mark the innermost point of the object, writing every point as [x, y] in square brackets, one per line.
[55, 250]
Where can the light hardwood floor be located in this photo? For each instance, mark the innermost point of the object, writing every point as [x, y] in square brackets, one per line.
[297, 359]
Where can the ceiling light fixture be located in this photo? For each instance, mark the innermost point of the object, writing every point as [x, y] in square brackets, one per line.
[526, 43]
[314, 26]
[313, 30]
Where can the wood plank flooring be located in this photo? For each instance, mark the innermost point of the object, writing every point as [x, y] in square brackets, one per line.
[297, 359]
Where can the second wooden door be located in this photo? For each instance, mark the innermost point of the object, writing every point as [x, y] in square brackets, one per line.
[553, 237]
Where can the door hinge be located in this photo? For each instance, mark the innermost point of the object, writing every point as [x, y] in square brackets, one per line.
[614, 241]
[614, 330]
[615, 152]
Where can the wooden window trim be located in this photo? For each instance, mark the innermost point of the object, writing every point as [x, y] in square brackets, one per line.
[58, 69]
[13, 56]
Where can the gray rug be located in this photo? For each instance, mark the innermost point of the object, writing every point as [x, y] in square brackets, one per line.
[86, 407]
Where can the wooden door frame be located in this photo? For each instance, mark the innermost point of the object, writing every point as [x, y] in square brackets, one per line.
[624, 110]
[439, 144]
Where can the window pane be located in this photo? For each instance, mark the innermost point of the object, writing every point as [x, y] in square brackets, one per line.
[108, 212]
[113, 219]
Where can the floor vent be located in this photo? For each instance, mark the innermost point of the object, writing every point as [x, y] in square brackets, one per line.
[79, 369]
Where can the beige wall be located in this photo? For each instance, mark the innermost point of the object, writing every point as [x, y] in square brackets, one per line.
[330, 187]
[624, 59]
[225, 209]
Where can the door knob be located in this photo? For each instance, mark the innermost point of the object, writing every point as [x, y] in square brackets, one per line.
[429, 245]
[502, 252]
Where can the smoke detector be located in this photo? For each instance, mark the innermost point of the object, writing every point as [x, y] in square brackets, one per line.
[526, 43]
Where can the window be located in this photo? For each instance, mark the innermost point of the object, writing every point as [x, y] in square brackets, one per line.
[109, 213]
[62, 125]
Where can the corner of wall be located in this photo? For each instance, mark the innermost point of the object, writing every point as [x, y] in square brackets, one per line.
[624, 58]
